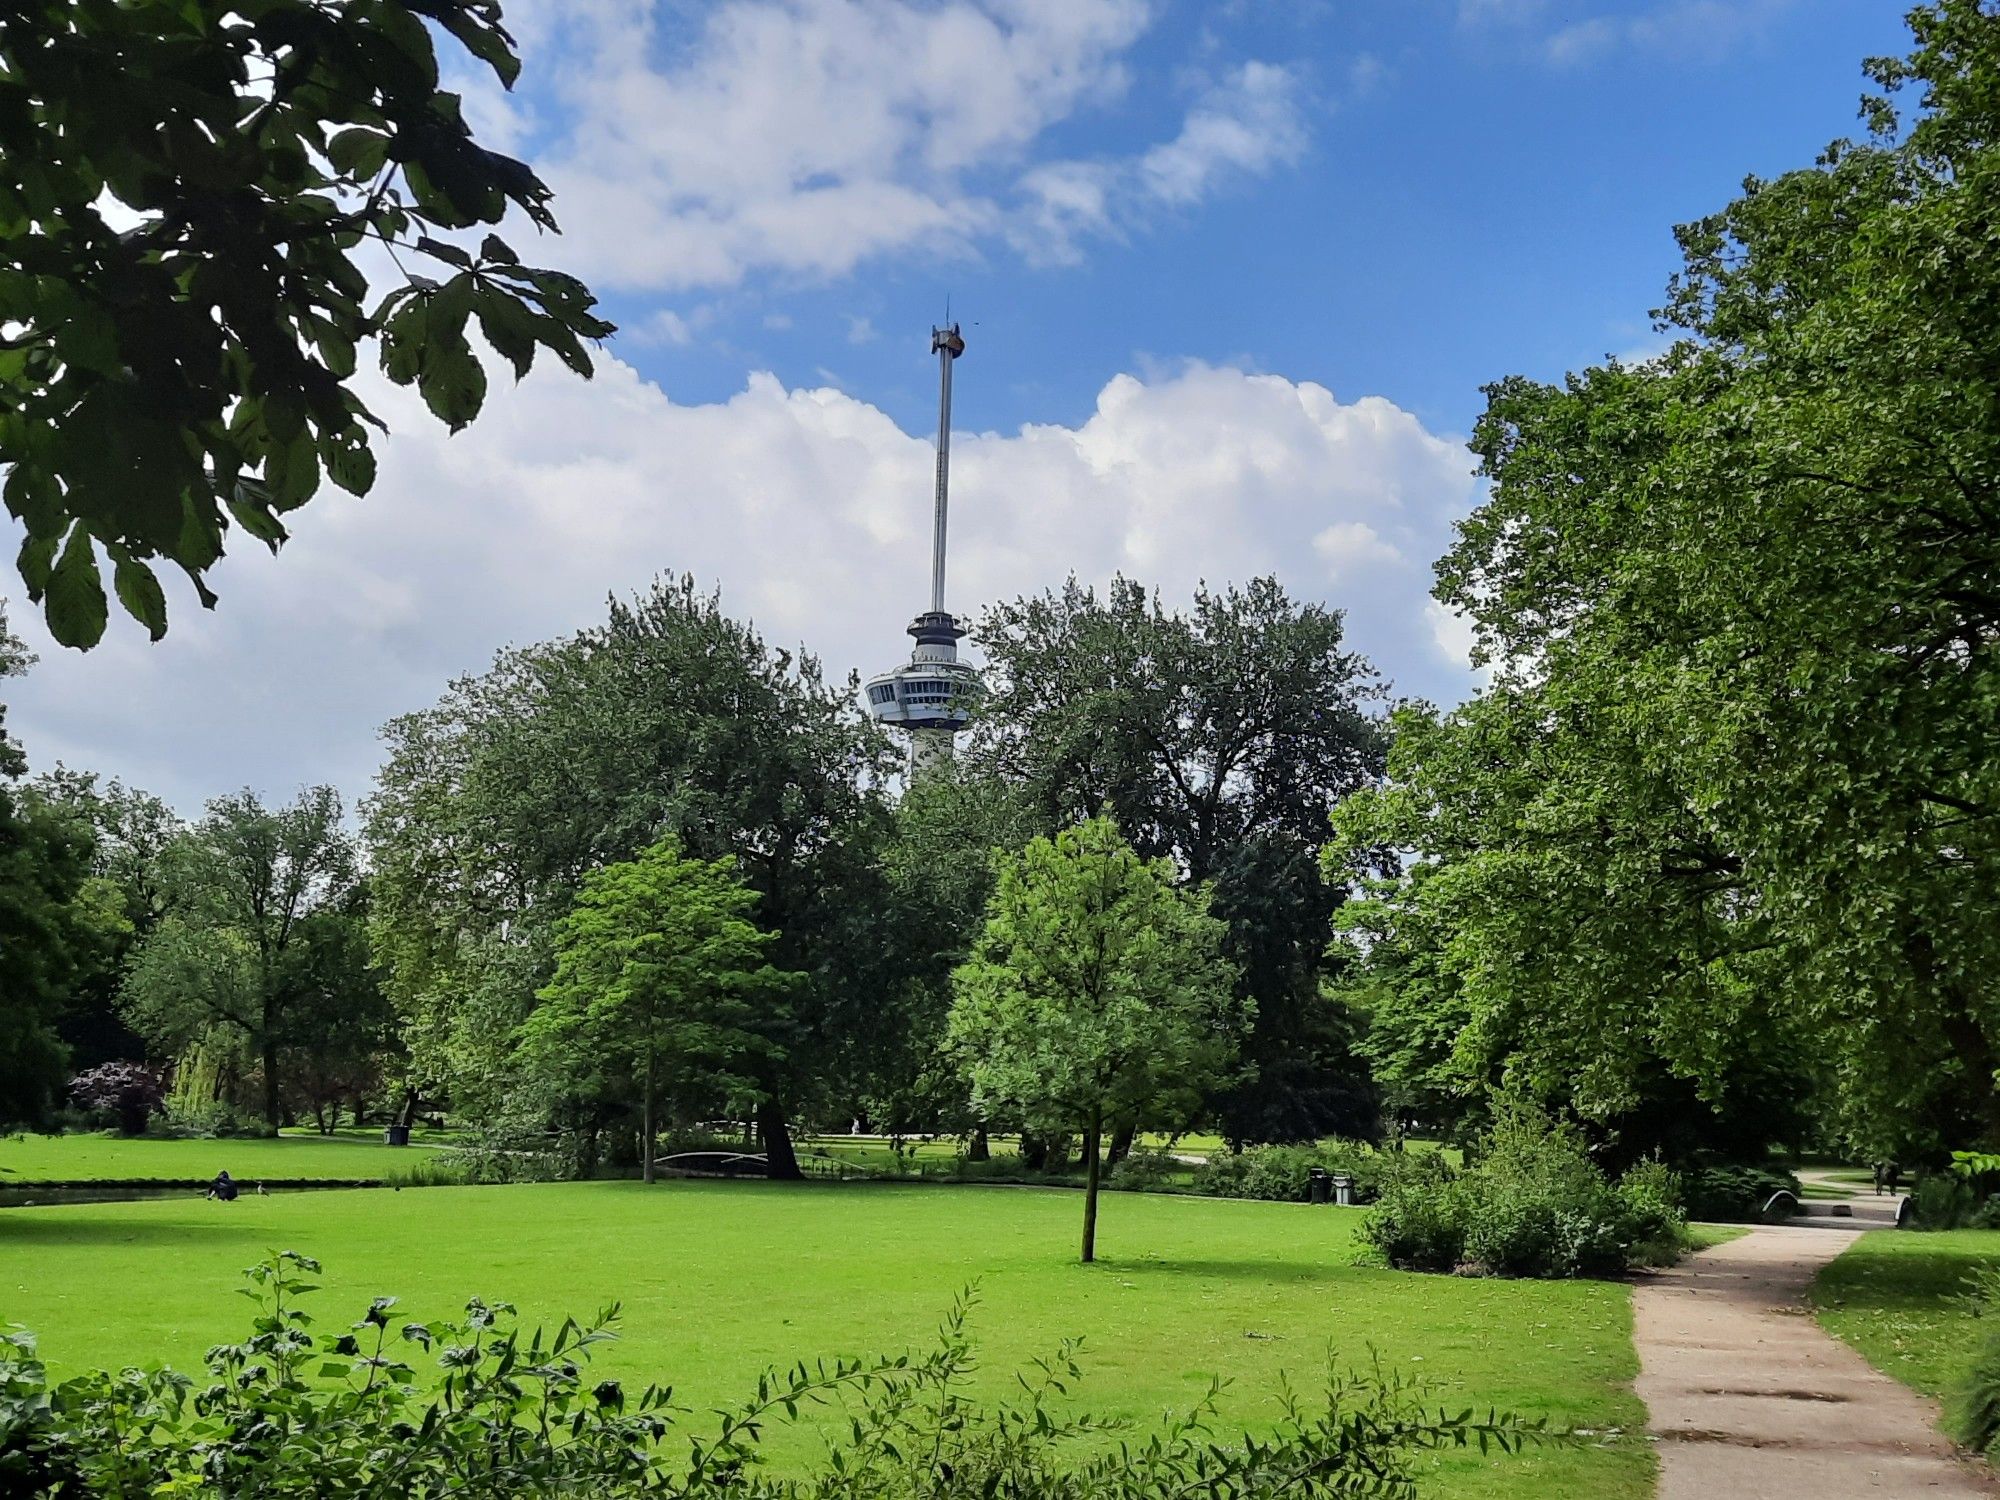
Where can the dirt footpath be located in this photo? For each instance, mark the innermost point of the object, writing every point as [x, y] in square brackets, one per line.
[1751, 1400]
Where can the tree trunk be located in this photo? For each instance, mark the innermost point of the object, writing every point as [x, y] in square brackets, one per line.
[780, 1160]
[407, 1115]
[1121, 1143]
[978, 1149]
[646, 1143]
[274, 1111]
[1090, 1167]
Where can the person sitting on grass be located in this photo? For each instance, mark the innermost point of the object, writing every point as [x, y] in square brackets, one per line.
[223, 1187]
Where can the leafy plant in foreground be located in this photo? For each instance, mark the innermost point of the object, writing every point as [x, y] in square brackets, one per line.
[292, 1412]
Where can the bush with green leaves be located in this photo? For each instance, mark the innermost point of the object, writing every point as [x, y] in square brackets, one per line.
[500, 1412]
[1972, 1411]
[1146, 1169]
[1730, 1192]
[1283, 1174]
[1533, 1205]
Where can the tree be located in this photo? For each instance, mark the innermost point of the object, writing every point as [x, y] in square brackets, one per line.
[233, 953]
[658, 965]
[670, 718]
[129, 1092]
[1734, 784]
[938, 874]
[130, 833]
[43, 934]
[1097, 994]
[340, 1030]
[1305, 1074]
[1220, 738]
[187, 194]
[1193, 729]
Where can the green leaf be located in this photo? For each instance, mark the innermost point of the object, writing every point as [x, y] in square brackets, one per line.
[139, 591]
[509, 327]
[350, 463]
[453, 384]
[76, 606]
[358, 152]
[445, 251]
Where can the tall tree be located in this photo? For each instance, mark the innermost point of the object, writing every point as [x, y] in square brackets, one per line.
[186, 194]
[1220, 738]
[1735, 777]
[43, 865]
[1195, 729]
[130, 833]
[659, 966]
[671, 718]
[1096, 995]
[232, 952]
[1306, 1075]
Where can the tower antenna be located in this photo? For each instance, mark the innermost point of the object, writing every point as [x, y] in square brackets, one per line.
[932, 695]
[947, 346]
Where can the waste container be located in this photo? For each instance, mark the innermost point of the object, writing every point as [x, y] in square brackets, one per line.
[1343, 1189]
[1320, 1185]
[396, 1135]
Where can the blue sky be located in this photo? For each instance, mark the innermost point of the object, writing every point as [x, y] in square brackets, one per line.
[1469, 201]
[1231, 276]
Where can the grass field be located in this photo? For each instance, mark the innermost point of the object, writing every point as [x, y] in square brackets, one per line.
[290, 1157]
[1899, 1299]
[1705, 1236]
[721, 1279]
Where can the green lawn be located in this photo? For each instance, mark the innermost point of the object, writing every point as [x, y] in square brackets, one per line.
[1705, 1236]
[1898, 1297]
[721, 1279]
[96, 1158]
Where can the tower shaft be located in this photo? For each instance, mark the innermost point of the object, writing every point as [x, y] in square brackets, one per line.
[947, 346]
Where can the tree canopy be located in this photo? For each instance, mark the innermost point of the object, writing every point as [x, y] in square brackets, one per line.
[207, 214]
[1733, 789]
[671, 718]
[659, 968]
[1097, 994]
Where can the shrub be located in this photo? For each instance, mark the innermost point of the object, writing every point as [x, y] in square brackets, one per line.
[127, 1093]
[1146, 1169]
[1972, 1409]
[292, 1411]
[1534, 1205]
[1733, 1192]
[1283, 1174]
[1418, 1224]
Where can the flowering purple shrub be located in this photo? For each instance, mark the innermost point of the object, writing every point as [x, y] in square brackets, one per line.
[129, 1091]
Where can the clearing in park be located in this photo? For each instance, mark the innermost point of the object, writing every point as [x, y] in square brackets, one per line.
[718, 1281]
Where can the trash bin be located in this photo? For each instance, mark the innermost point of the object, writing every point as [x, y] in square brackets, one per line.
[1343, 1189]
[1320, 1185]
[396, 1135]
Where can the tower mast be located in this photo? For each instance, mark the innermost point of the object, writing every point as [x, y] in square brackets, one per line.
[931, 696]
[947, 346]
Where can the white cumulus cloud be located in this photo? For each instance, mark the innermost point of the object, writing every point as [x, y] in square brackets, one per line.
[808, 507]
[693, 148]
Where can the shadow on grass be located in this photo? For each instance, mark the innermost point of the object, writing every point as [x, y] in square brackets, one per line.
[26, 1227]
[1925, 1274]
[1262, 1272]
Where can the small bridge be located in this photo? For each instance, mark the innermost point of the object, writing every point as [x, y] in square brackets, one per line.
[757, 1164]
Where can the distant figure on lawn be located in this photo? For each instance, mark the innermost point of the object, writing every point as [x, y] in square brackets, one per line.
[1881, 1176]
[224, 1187]
[1893, 1175]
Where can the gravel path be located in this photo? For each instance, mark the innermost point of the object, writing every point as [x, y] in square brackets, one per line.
[1750, 1398]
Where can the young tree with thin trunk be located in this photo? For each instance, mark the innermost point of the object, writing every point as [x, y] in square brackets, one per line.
[1096, 996]
[659, 968]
